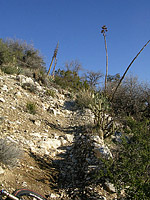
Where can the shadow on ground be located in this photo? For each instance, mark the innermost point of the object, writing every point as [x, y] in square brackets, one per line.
[69, 172]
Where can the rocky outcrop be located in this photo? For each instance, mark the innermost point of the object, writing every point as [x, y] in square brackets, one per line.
[57, 130]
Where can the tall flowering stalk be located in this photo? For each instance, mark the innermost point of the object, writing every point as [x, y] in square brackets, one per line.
[103, 31]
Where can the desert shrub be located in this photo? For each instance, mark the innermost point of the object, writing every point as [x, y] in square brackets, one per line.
[41, 77]
[70, 79]
[20, 54]
[130, 170]
[31, 108]
[100, 106]
[50, 93]
[84, 98]
[5, 56]
[30, 87]
[133, 162]
[129, 99]
[10, 69]
[9, 153]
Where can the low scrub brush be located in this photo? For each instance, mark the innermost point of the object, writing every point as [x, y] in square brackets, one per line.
[31, 108]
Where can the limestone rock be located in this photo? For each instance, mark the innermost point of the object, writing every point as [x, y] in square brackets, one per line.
[110, 187]
[18, 94]
[2, 100]
[4, 88]
[102, 151]
[1, 170]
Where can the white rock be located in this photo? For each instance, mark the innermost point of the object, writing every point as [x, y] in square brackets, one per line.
[69, 137]
[29, 80]
[66, 112]
[13, 108]
[18, 94]
[4, 88]
[2, 100]
[63, 141]
[20, 78]
[1, 170]
[97, 139]
[23, 79]
[103, 151]
[53, 111]
[52, 195]
[11, 139]
[36, 135]
[61, 102]
[37, 123]
[103, 198]
[110, 187]
[24, 184]
[45, 106]
[49, 144]
[39, 88]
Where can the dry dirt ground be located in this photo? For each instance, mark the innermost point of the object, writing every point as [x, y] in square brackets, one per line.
[33, 171]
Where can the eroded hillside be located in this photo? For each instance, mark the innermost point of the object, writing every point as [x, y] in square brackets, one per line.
[46, 124]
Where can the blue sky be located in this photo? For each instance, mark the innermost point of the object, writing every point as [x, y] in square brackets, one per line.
[77, 25]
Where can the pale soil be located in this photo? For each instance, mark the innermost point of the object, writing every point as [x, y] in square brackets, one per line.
[33, 172]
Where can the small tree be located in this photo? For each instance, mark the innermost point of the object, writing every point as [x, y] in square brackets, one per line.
[113, 78]
[93, 78]
[74, 66]
[70, 79]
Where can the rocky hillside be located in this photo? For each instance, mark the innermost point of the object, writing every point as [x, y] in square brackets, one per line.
[58, 155]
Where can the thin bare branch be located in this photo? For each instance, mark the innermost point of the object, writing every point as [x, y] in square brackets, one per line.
[128, 69]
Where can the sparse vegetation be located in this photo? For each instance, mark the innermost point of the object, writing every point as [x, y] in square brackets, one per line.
[85, 98]
[50, 93]
[31, 108]
[127, 100]
[30, 87]
[129, 171]
[18, 55]
[10, 69]
[131, 98]
[70, 80]
[93, 79]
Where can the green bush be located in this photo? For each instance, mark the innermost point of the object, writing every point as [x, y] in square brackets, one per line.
[130, 170]
[70, 79]
[10, 69]
[18, 53]
[31, 108]
[50, 93]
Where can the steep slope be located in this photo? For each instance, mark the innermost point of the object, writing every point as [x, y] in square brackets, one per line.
[44, 136]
